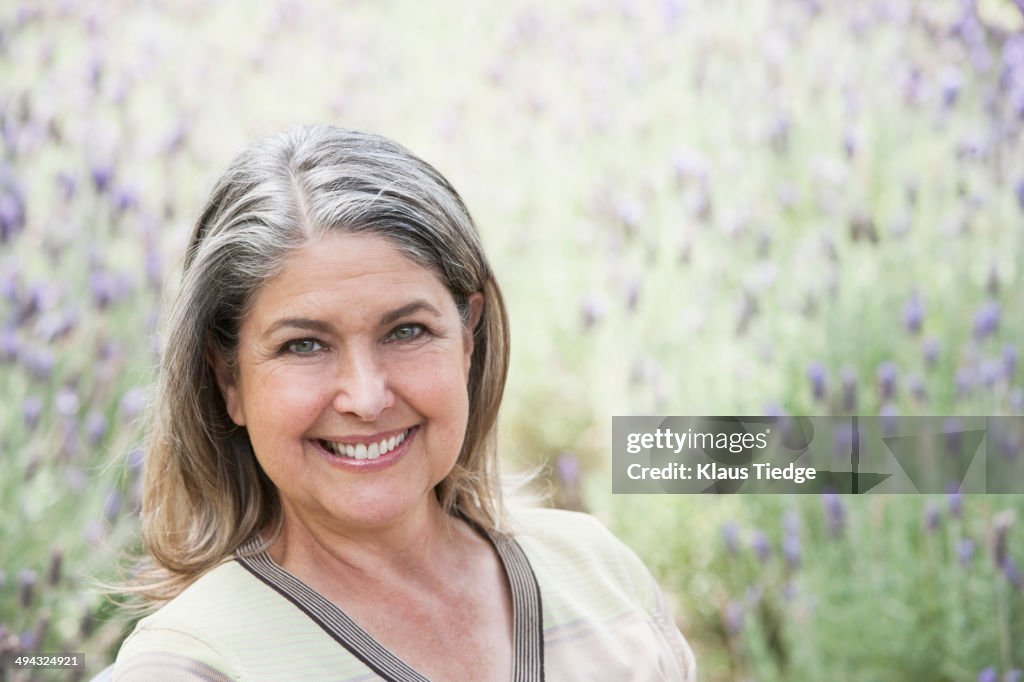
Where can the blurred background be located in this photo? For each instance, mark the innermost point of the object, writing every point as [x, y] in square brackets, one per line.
[728, 207]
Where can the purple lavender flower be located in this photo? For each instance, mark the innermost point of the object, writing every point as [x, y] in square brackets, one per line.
[951, 82]
[931, 349]
[986, 320]
[112, 507]
[689, 165]
[1000, 552]
[67, 402]
[851, 142]
[835, 512]
[630, 214]
[28, 640]
[849, 380]
[932, 517]
[135, 459]
[125, 198]
[26, 587]
[40, 363]
[1012, 573]
[93, 533]
[154, 269]
[9, 345]
[989, 674]
[1015, 674]
[568, 468]
[67, 183]
[731, 535]
[992, 284]
[57, 325]
[918, 388]
[762, 546]
[816, 374]
[632, 293]
[988, 372]
[101, 285]
[791, 550]
[778, 133]
[965, 551]
[887, 375]
[132, 404]
[12, 212]
[10, 282]
[102, 175]
[964, 381]
[1010, 358]
[913, 314]
[31, 410]
[672, 11]
[956, 500]
[888, 415]
[96, 427]
[594, 310]
[733, 618]
[55, 571]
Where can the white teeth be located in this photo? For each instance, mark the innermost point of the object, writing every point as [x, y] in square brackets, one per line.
[363, 451]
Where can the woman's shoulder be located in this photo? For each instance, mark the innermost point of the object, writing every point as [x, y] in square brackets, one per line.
[564, 543]
[562, 531]
[200, 626]
[222, 586]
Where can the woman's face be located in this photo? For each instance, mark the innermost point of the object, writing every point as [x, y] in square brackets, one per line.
[351, 381]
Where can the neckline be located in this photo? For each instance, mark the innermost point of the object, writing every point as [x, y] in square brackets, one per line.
[527, 619]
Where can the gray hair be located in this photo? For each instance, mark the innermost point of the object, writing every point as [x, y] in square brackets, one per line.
[204, 492]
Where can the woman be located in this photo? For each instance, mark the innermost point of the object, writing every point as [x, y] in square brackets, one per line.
[321, 496]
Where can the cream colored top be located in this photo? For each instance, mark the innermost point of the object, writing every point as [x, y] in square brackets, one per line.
[584, 608]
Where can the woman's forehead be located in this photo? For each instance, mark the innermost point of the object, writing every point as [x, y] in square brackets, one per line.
[350, 274]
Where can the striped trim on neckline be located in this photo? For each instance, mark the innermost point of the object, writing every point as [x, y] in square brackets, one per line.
[527, 619]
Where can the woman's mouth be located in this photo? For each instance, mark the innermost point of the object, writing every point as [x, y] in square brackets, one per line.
[361, 451]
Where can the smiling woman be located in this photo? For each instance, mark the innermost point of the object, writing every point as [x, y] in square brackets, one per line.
[321, 496]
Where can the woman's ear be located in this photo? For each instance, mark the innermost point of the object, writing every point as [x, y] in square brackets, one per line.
[228, 384]
[476, 311]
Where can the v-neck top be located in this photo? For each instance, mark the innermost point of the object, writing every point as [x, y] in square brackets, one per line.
[584, 608]
[527, 628]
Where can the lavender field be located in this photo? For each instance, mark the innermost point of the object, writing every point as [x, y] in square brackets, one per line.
[728, 207]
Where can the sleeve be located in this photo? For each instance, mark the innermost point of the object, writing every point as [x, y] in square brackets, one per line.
[651, 597]
[168, 655]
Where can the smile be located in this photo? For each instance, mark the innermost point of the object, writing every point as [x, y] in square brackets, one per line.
[365, 450]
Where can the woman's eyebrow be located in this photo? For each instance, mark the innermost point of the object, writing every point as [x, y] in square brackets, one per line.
[326, 328]
[409, 309]
[300, 323]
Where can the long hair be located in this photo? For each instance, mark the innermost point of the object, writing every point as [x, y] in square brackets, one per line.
[204, 493]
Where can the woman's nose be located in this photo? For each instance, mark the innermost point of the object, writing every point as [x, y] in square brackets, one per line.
[362, 386]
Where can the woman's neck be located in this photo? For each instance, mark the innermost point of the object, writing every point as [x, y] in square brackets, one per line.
[423, 545]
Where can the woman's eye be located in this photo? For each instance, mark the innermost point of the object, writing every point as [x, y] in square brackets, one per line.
[303, 346]
[407, 332]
